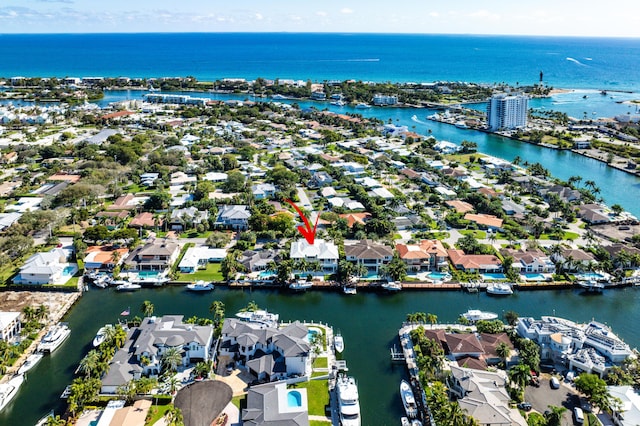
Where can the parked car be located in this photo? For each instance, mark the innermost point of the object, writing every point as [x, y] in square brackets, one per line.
[524, 406]
[578, 415]
[554, 383]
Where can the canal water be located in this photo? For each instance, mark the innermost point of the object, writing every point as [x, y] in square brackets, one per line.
[369, 323]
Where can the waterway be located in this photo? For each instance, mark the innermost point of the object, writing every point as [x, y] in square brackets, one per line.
[368, 321]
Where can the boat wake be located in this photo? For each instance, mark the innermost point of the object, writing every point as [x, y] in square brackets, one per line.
[417, 120]
[575, 61]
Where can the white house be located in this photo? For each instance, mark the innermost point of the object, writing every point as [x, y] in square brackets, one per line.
[46, 268]
[263, 190]
[234, 216]
[10, 326]
[197, 258]
[324, 252]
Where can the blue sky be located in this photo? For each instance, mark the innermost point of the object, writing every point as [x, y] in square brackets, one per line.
[542, 17]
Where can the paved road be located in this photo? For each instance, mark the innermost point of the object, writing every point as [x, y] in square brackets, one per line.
[544, 396]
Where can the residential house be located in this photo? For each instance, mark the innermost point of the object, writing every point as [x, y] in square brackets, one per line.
[234, 217]
[10, 326]
[149, 179]
[150, 341]
[156, 255]
[574, 259]
[593, 213]
[459, 206]
[124, 202]
[627, 413]
[351, 168]
[267, 404]
[215, 177]
[51, 267]
[474, 262]
[263, 190]
[254, 261]
[485, 221]
[511, 208]
[104, 258]
[146, 220]
[8, 219]
[268, 353]
[565, 193]
[530, 261]
[353, 218]
[371, 254]
[490, 343]
[483, 395]
[324, 252]
[428, 255]
[182, 219]
[198, 257]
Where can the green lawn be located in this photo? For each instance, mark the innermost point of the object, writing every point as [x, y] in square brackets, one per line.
[319, 422]
[317, 395]
[477, 234]
[212, 273]
[239, 401]
[156, 412]
[320, 362]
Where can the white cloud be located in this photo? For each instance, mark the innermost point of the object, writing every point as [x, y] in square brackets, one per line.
[485, 15]
[346, 10]
[434, 14]
[259, 16]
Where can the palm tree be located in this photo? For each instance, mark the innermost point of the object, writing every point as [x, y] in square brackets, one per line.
[217, 310]
[42, 312]
[520, 375]
[147, 308]
[554, 415]
[89, 363]
[173, 417]
[418, 317]
[432, 318]
[172, 358]
[503, 350]
[29, 313]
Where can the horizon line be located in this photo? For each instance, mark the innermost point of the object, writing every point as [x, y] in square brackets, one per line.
[326, 33]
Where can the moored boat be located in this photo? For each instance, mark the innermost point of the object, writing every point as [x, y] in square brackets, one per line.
[260, 316]
[100, 335]
[499, 289]
[338, 343]
[9, 390]
[349, 290]
[408, 400]
[591, 285]
[128, 287]
[54, 337]
[30, 362]
[200, 286]
[348, 401]
[404, 421]
[474, 315]
[391, 286]
[300, 285]
[363, 105]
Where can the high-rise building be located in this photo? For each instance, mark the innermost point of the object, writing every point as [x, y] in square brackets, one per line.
[507, 111]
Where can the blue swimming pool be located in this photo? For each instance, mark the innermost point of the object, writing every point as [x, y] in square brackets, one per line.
[590, 276]
[493, 276]
[439, 276]
[312, 332]
[294, 398]
[69, 271]
[266, 274]
[534, 277]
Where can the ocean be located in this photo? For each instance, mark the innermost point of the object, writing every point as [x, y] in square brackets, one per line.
[566, 62]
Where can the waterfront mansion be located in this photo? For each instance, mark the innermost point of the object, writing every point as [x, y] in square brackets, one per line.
[142, 352]
[590, 348]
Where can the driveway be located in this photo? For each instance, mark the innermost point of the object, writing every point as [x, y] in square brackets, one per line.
[540, 398]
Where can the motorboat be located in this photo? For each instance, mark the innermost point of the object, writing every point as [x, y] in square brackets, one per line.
[101, 281]
[461, 124]
[404, 421]
[391, 286]
[128, 287]
[474, 315]
[43, 421]
[339, 102]
[338, 343]
[9, 390]
[100, 335]
[156, 280]
[116, 283]
[416, 422]
[200, 286]
[591, 285]
[30, 362]
[363, 105]
[500, 289]
[54, 338]
[348, 401]
[408, 400]
[260, 316]
[300, 285]
[349, 290]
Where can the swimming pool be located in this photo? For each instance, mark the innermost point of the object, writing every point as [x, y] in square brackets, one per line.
[68, 271]
[493, 276]
[294, 398]
[439, 276]
[267, 274]
[312, 332]
[534, 277]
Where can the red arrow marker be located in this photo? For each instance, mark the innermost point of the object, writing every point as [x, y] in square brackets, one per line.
[307, 232]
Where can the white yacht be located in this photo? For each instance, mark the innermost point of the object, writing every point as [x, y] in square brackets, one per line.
[30, 362]
[591, 285]
[260, 317]
[128, 287]
[100, 335]
[200, 286]
[300, 285]
[349, 290]
[474, 315]
[391, 286]
[339, 102]
[338, 343]
[363, 105]
[500, 289]
[9, 390]
[54, 337]
[348, 401]
[408, 400]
